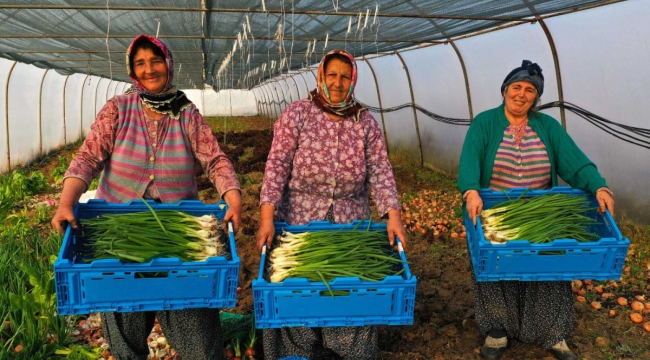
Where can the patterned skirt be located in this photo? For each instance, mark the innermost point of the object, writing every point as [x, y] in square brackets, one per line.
[535, 312]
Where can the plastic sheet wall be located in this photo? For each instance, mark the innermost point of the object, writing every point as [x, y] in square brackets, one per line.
[601, 69]
[223, 103]
[42, 110]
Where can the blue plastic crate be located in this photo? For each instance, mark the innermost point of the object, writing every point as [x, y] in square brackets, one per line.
[570, 259]
[110, 285]
[300, 302]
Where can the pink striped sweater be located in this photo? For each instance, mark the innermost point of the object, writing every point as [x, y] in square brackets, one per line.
[521, 166]
[135, 162]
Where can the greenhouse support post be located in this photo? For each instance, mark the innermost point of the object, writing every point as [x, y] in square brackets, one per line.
[108, 87]
[306, 85]
[81, 109]
[415, 111]
[462, 65]
[11, 69]
[95, 97]
[288, 88]
[266, 104]
[381, 112]
[65, 130]
[295, 83]
[40, 112]
[558, 73]
[277, 99]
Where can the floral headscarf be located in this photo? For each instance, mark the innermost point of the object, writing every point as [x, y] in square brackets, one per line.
[170, 101]
[321, 96]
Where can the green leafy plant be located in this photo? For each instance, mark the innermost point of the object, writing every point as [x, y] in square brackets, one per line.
[59, 171]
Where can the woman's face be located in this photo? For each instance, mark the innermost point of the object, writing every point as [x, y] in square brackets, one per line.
[338, 77]
[150, 70]
[519, 97]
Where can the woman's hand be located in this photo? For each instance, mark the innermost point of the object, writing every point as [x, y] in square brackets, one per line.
[473, 204]
[73, 188]
[395, 227]
[64, 216]
[233, 199]
[605, 201]
[266, 232]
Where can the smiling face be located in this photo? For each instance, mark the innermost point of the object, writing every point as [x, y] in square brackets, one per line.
[338, 78]
[519, 97]
[150, 70]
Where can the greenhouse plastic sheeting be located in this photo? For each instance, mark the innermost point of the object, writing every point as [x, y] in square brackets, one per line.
[223, 103]
[439, 86]
[201, 40]
[608, 79]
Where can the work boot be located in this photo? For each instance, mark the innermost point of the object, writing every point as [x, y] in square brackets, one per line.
[562, 351]
[493, 348]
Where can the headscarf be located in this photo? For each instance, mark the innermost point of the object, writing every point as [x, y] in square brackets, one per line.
[528, 71]
[321, 96]
[170, 101]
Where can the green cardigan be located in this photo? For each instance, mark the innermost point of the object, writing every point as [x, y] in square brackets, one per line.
[484, 137]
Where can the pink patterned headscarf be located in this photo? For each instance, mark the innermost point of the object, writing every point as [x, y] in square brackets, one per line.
[321, 96]
[169, 101]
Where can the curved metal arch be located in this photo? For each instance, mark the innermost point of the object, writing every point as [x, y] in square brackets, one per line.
[415, 111]
[40, 112]
[81, 109]
[65, 128]
[467, 88]
[306, 85]
[381, 113]
[11, 69]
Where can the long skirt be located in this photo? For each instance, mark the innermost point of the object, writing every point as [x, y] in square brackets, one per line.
[194, 333]
[535, 312]
[358, 342]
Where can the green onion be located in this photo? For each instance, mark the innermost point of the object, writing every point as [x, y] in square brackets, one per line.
[142, 236]
[540, 219]
[326, 255]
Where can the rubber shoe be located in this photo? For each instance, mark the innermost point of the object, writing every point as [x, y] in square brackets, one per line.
[562, 351]
[493, 348]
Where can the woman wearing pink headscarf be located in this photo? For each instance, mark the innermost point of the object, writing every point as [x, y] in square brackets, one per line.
[327, 157]
[147, 142]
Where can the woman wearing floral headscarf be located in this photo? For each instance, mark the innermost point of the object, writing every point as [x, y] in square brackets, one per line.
[327, 156]
[146, 142]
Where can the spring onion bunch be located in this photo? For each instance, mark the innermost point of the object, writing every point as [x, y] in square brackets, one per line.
[326, 255]
[142, 236]
[540, 219]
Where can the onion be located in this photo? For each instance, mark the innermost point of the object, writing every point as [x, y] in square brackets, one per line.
[596, 305]
[622, 301]
[637, 305]
[576, 285]
[612, 313]
[646, 326]
[581, 299]
[636, 318]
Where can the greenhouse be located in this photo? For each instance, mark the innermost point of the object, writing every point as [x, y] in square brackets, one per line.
[425, 72]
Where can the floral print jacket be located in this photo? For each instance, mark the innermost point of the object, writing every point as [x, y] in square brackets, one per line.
[317, 162]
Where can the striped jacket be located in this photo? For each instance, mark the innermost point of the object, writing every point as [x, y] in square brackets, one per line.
[135, 163]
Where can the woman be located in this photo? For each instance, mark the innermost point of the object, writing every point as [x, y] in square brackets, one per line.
[146, 142]
[512, 146]
[327, 155]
